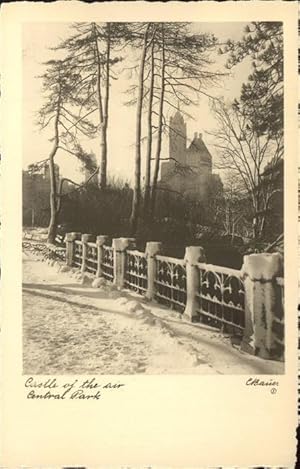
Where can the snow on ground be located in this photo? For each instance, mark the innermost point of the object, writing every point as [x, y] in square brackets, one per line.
[69, 327]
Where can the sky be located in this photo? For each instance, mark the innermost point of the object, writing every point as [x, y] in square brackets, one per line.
[39, 37]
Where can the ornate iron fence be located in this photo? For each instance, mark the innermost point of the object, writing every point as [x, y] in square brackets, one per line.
[77, 256]
[221, 298]
[136, 271]
[91, 257]
[107, 264]
[170, 282]
[214, 295]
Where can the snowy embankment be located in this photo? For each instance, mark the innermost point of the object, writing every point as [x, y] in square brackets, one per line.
[70, 327]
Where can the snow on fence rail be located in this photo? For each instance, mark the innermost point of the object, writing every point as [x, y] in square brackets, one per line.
[278, 323]
[248, 303]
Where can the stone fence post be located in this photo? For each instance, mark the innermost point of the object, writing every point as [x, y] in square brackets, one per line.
[152, 248]
[100, 241]
[259, 273]
[70, 239]
[85, 238]
[120, 245]
[193, 255]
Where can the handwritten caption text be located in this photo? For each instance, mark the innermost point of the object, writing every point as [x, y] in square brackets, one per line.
[56, 389]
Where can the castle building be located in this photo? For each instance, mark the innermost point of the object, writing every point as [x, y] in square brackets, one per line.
[189, 168]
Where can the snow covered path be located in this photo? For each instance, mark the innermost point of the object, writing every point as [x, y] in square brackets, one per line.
[72, 328]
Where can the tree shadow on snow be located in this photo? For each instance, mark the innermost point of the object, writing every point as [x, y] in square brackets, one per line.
[88, 307]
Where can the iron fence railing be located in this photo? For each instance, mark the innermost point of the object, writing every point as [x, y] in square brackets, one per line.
[221, 298]
[91, 257]
[136, 271]
[77, 256]
[107, 264]
[214, 295]
[170, 282]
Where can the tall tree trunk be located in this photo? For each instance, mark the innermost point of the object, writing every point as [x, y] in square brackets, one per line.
[52, 229]
[102, 165]
[160, 125]
[255, 221]
[149, 140]
[137, 174]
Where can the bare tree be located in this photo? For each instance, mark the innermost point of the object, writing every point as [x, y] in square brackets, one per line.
[58, 111]
[149, 131]
[137, 174]
[182, 75]
[102, 106]
[176, 71]
[160, 119]
[91, 53]
[245, 153]
[233, 210]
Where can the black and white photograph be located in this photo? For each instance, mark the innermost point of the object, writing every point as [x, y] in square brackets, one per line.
[153, 198]
[149, 234]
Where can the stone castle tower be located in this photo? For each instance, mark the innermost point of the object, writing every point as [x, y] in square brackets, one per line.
[177, 138]
[189, 168]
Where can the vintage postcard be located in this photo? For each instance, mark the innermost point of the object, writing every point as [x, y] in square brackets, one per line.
[149, 285]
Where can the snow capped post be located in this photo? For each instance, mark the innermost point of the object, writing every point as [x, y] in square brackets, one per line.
[100, 241]
[85, 238]
[152, 248]
[70, 238]
[119, 246]
[193, 255]
[259, 273]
